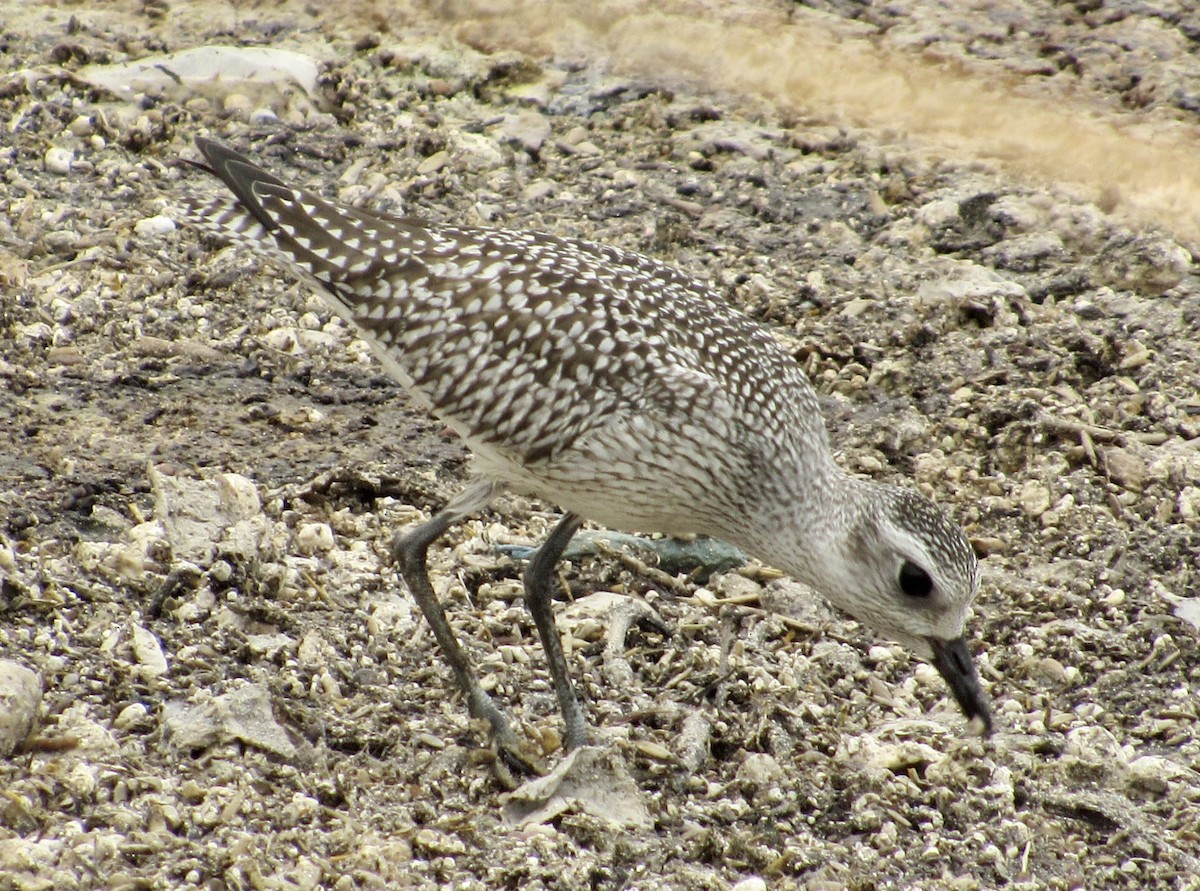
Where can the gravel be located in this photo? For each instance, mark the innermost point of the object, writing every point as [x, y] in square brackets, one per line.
[204, 470]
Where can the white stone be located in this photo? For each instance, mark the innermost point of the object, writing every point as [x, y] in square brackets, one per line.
[314, 538]
[150, 227]
[152, 663]
[759, 769]
[20, 698]
[239, 496]
[130, 716]
[59, 160]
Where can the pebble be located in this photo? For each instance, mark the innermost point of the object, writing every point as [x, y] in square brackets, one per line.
[147, 651]
[527, 129]
[434, 163]
[965, 282]
[150, 227]
[654, 751]
[244, 714]
[436, 842]
[20, 698]
[759, 769]
[237, 103]
[1095, 748]
[1034, 498]
[881, 655]
[131, 716]
[1188, 503]
[1125, 469]
[1153, 773]
[59, 160]
[894, 757]
[83, 125]
[314, 538]
[538, 190]
[299, 340]
[1146, 264]
[239, 496]
[267, 645]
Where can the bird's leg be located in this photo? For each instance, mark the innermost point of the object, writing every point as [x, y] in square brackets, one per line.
[409, 552]
[539, 587]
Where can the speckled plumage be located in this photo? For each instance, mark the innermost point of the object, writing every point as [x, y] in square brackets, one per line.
[567, 367]
[614, 386]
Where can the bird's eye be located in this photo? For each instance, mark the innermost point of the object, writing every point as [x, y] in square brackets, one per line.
[914, 581]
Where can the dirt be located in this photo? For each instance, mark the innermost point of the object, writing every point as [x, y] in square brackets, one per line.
[1026, 358]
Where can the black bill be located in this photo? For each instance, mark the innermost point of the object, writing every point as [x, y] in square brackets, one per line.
[953, 661]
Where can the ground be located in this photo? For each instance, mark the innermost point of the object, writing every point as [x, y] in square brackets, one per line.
[203, 470]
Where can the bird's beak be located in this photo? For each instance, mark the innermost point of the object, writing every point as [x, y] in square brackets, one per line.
[953, 661]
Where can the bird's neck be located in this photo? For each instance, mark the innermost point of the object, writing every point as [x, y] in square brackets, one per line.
[804, 532]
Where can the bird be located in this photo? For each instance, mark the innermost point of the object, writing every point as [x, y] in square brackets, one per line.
[621, 390]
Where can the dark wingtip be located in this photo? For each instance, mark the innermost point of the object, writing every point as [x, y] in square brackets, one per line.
[953, 661]
[240, 174]
[217, 154]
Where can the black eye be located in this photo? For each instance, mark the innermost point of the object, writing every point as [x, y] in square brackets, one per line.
[914, 581]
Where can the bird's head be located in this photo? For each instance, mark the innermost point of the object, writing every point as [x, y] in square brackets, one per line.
[901, 566]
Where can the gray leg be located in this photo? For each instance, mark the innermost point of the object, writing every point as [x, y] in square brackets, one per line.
[539, 587]
[409, 551]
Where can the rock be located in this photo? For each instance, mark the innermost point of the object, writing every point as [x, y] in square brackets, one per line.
[314, 538]
[1147, 264]
[733, 137]
[476, 152]
[959, 223]
[26, 862]
[1188, 503]
[239, 496]
[1034, 498]
[1125, 468]
[589, 780]
[966, 282]
[1153, 773]
[132, 717]
[59, 160]
[20, 698]
[1094, 749]
[759, 770]
[797, 601]
[896, 757]
[260, 76]
[147, 651]
[538, 190]
[1027, 253]
[434, 163]
[268, 645]
[1188, 609]
[244, 715]
[527, 129]
[288, 339]
[152, 227]
[199, 515]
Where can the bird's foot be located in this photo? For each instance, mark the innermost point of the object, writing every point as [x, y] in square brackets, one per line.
[513, 758]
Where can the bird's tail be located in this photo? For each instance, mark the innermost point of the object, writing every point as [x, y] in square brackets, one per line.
[336, 247]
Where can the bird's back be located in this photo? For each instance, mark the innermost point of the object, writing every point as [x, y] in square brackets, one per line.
[546, 354]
